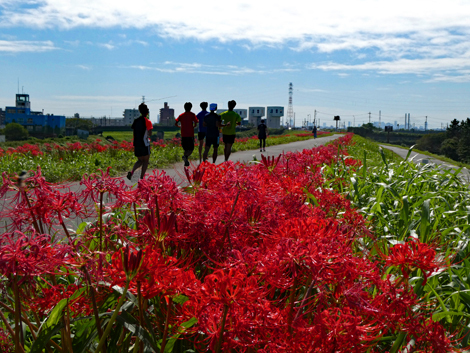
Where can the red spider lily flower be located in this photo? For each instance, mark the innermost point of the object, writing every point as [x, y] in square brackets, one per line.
[157, 275]
[31, 256]
[131, 262]
[253, 214]
[158, 191]
[38, 200]
[47, 298]
[431, 336]
[270, 162]
[97, 185]
[6, 343]
[413, 255]
[196, 178]
[162, 230]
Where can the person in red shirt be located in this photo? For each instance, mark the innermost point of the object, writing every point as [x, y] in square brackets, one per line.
[188, 121]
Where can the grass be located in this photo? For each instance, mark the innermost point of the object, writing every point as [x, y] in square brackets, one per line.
[406, 202]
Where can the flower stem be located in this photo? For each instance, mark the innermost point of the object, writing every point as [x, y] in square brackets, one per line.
[113, 318]
[18, 331]
[222, 328]
[101, 218]
[165, 331]
[95, 307]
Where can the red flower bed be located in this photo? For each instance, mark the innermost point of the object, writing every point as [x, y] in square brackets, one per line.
[248, 258]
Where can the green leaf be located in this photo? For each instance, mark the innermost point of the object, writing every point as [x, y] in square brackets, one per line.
[49, 328]
[171, 342]
[131, 323]
[53, 323]
[425, 219]
[180, 299]
[440, 315]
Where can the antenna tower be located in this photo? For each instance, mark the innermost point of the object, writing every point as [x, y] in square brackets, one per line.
[290, 108]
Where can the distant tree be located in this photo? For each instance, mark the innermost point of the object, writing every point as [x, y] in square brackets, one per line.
[431, 142]
[453, 130]
[463, 148]
[370, 126]
[77, 123]
[449, 148]
[15, 132]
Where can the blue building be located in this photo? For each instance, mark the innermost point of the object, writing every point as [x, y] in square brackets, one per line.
[34, 122]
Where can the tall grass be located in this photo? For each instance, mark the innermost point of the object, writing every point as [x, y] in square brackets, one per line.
[405, 201]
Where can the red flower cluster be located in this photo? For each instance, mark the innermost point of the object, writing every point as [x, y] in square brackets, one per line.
[263, 257]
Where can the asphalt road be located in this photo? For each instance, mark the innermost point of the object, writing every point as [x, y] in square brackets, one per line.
[176, 171]
[424, 159]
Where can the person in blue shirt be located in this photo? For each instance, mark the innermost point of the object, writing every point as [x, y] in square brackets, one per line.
[202, 130]
[213, 123]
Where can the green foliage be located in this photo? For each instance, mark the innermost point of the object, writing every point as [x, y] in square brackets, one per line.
[457, 143]
[431, 142]
[405, 201]
[77, 123]
[15, 132]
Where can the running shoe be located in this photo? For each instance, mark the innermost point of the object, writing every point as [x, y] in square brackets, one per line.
[186, 162]
[129, 175]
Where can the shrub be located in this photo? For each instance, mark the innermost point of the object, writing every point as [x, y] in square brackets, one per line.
[15, 132]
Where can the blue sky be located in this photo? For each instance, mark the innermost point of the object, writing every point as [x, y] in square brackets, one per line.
[344, 58]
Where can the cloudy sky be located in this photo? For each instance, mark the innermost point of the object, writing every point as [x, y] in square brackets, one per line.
[348, 58]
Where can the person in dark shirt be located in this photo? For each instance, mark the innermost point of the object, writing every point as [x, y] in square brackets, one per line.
[314, 131]
[262, 132]
[142, 130]
[201, 133]
[213, 123]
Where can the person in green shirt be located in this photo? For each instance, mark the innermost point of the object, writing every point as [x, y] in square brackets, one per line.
[230, 120]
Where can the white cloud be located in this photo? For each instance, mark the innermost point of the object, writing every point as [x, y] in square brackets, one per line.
[84, 67]
[108, 46]
[105, 99]
[198, 68]
[392, 37]
[259, 21]
[402, 66]
[26, 46]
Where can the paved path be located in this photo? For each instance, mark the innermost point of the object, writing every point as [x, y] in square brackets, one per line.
[424, 159]
[176, 171]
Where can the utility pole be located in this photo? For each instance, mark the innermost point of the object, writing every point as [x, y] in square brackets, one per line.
[369, 117]
[315, 117]
[426, 124]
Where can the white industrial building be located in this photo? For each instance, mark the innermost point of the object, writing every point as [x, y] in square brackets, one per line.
[274, 116]
[241, 112]
[255, 115]
[130, 115]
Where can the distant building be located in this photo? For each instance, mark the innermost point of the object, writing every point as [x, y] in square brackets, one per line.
[274, 116]
[106, 121]
[130, 115]
[2, 117]
[255, 114]
[35, 122]
[167, 115]
[242, 112]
